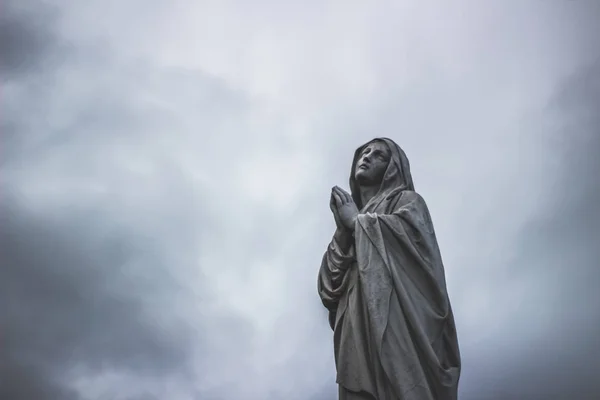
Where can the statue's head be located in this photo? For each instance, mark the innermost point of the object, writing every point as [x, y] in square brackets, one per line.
[372, 163]
[380, 163]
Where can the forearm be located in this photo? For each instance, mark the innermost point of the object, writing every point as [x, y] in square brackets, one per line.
[344, 239]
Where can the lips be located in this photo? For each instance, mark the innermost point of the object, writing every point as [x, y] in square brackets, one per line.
[363, 166]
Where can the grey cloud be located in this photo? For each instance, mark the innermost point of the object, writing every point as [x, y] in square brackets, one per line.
[27, 37]
[100, 226]
[62, 309]
[556, 255]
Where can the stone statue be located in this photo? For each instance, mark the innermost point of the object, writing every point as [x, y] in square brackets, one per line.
[383, 282]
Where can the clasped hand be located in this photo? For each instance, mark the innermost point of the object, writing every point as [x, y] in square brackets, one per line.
[343, 208]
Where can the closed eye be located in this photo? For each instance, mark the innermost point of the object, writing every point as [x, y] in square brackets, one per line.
[380, 154]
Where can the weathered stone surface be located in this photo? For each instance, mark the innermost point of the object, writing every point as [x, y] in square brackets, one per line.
[383, 282]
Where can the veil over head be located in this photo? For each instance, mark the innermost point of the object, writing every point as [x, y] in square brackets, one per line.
[396, 178]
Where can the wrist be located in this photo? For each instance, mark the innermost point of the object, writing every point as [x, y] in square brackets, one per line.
[341, 236]
[343, 231]
[349, 229]
[343, 239]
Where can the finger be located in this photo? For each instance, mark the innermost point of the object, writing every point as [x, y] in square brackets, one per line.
[332, 204]
[348, 197]
[338, 199]
[340, 194]
[334, 210]
[333, 201]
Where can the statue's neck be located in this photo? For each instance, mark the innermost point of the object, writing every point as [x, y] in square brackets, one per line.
[367, 193]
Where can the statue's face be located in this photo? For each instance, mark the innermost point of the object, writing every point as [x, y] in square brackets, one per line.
[372, 163]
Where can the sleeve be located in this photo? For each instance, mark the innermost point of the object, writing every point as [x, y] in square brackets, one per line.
[332, 280]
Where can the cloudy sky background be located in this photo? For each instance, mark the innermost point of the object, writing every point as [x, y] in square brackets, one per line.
[166, 170]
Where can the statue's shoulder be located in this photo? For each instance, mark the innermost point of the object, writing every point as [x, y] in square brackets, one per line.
[412, 197]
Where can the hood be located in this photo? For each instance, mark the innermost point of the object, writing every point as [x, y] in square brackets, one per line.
[397, 176]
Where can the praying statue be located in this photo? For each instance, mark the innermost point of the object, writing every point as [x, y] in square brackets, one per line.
[383, 282]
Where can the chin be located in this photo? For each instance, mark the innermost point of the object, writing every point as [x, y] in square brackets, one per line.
[362, 177]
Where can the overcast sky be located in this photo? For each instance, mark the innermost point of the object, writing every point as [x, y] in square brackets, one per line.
[166, 169]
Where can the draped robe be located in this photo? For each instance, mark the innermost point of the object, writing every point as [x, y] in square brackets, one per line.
[394, 330]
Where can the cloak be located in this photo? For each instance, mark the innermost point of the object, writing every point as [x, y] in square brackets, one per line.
[394, 331]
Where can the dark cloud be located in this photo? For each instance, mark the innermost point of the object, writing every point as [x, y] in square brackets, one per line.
[68, 304]
[92, 282]
[99, 225]
[27, 37]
